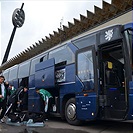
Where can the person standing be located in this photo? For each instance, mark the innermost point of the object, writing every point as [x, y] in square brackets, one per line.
[22, 99]
[3, 96]
[12, 89]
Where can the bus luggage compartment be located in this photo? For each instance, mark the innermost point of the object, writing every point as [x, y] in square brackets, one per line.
[45, 74]
[35, 103]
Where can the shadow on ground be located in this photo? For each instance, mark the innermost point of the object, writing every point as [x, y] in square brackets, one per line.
[52, 130]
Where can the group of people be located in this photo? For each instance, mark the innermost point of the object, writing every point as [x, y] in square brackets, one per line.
[15, 99]
[12, 99]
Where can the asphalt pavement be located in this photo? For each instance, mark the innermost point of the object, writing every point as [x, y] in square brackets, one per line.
[57, 125]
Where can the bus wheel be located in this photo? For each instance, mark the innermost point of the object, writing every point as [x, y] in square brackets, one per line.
[70, 112]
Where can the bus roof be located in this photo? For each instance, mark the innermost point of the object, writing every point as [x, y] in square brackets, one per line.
[128, 26]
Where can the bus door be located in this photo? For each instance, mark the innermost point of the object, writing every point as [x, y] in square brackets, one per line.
[86, 74]
[114, 94]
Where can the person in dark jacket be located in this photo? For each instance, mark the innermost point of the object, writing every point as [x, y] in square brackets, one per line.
[22, 100]
[3, 96]
[18, 104]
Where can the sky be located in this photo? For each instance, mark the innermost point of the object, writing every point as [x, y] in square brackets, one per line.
[42, 17]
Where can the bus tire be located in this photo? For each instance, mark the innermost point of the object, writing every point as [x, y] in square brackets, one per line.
[70, 112]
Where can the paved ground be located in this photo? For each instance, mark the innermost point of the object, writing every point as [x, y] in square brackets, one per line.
[59, 126]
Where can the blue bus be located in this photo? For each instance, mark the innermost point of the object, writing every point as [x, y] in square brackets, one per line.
[90, 77]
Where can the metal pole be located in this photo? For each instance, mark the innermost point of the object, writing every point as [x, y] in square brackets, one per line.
[22, 6]
[9, 45]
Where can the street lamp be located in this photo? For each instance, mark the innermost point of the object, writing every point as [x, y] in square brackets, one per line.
[18, 18]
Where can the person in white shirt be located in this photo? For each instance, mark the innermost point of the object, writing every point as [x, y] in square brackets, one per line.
[3, 96]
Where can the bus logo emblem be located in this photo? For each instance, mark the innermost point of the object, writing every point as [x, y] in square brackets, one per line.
[108, 35]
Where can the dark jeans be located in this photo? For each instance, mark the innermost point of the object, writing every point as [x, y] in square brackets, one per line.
[3, 107]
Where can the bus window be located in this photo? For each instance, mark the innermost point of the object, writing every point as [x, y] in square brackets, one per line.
[24, 69]
[13, 73]
[85, 41]
[85, 69]
[62, 54]
[6, 74]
